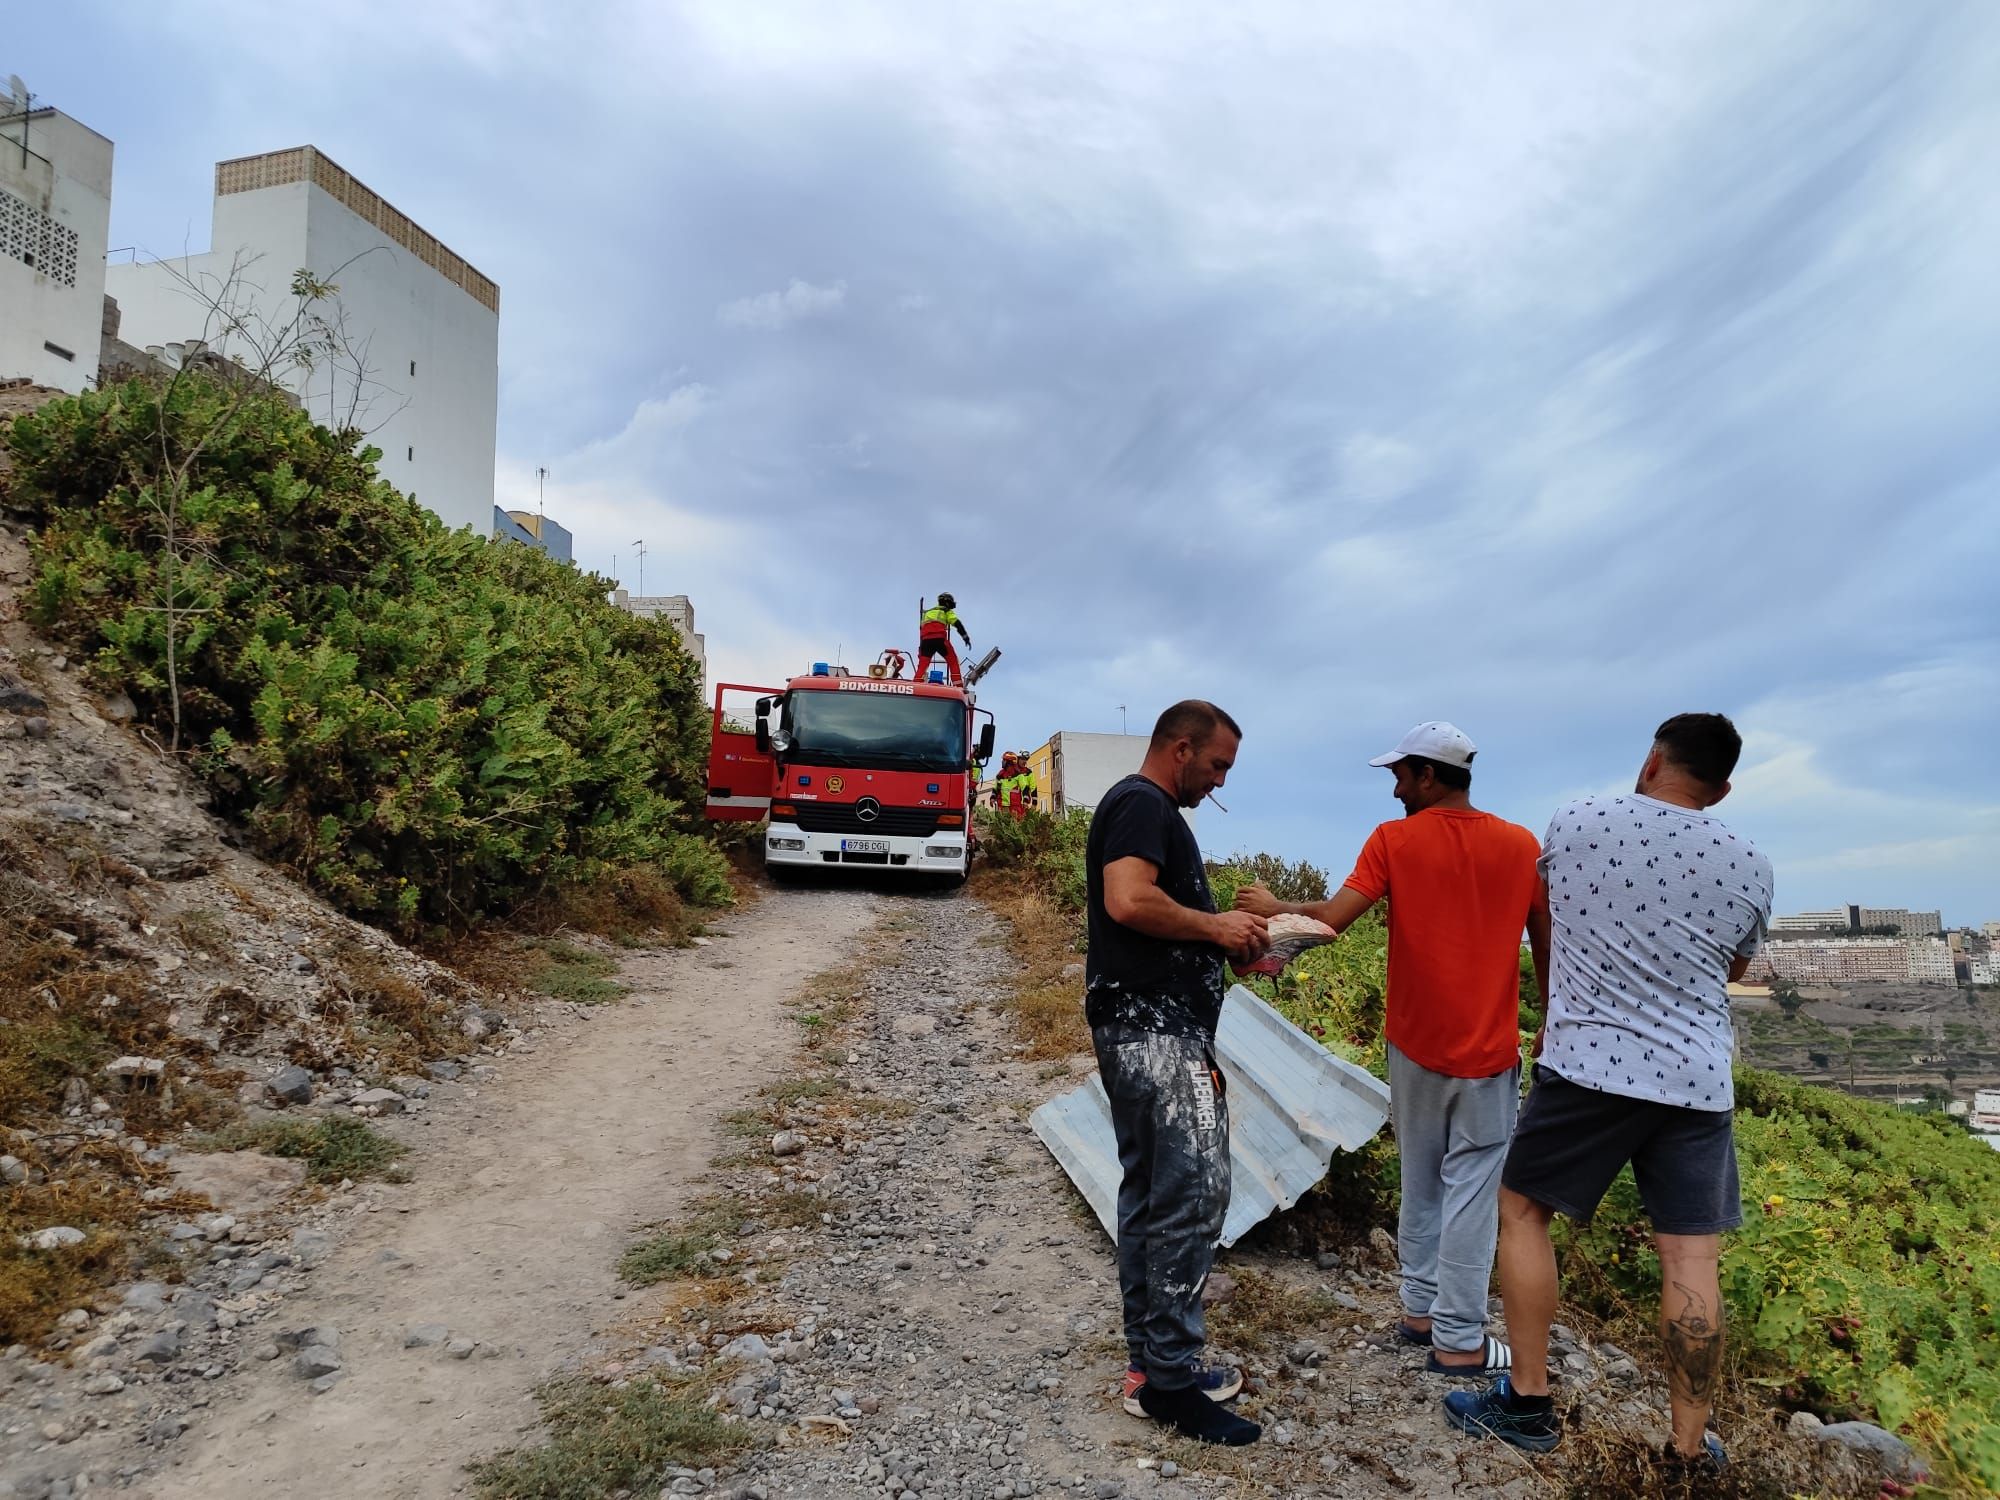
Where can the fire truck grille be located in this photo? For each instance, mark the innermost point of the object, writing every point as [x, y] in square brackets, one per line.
[903, 822]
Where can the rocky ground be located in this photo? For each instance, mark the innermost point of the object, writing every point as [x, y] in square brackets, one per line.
[940, 1321]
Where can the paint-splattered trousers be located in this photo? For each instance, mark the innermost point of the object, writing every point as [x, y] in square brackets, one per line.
[1172, 1122]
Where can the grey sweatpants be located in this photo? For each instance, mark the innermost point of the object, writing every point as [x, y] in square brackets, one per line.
[1172, 1124]
[1451, 1135]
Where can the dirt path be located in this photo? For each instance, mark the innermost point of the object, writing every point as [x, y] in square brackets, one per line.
[952, 1334]
[510, 1232]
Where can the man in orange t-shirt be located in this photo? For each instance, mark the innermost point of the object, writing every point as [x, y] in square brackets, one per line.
[1461, 885]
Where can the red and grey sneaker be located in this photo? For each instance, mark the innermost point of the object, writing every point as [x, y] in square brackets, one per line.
[1217, 1382]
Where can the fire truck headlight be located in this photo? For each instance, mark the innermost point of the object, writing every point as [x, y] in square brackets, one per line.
[778, 843]
[942, 851]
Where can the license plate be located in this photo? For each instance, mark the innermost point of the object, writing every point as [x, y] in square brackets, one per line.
[864, 846]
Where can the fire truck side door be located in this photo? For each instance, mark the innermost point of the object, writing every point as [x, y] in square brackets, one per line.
[739, 774]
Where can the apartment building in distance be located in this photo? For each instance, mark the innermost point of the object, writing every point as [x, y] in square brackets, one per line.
[55, 221]
[532, 529]
[1858, 960]
[1907, 923]
[677, 611]
[420, 368]
[1833, 920]
[1901, 921]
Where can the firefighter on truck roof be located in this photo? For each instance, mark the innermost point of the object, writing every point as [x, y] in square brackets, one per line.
[934, 628]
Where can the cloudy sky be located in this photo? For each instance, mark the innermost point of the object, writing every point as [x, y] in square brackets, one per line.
[1545, 367]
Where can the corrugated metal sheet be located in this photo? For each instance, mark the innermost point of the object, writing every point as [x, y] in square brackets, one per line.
[1292, 1104]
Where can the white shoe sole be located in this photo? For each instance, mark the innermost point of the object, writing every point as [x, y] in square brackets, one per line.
[1228, 1393]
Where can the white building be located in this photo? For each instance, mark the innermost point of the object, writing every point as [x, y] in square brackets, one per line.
[677, 611]
[1906, 922]
[1983, 968]
[420, 328]
[55, 215]
[1811, 921]
[1074, 769]
[1860, 960]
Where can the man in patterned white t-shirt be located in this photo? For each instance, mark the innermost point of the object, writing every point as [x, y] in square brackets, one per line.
[1656, 907]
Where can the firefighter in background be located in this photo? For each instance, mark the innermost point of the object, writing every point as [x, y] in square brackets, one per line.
[1003, 783]
[934, 628]
[1015, 791]
[1030, 788]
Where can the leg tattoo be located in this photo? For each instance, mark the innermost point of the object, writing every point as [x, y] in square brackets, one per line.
[1694, 1347]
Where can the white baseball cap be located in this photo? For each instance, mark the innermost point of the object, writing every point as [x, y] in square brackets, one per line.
[1436, 740]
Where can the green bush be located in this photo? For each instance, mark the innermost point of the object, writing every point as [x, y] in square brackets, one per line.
[1865, 1280]
[429, 727]
[1288, 879]
[1046, 848]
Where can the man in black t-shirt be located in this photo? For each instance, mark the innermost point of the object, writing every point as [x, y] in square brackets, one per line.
[1152, 995]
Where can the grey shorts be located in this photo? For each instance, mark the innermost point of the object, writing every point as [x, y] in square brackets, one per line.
[1571, 1141]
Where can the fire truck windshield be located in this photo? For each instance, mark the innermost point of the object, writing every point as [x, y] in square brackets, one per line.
[883, 730]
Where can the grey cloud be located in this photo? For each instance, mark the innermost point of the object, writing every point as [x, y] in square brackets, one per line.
[1542, 368]
[771, 311]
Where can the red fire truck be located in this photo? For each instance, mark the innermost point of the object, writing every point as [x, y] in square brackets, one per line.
[855, 770]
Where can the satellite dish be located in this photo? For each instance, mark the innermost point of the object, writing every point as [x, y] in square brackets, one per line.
[19, 90]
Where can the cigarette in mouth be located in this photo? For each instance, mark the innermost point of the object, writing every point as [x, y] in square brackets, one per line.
[1212, 797]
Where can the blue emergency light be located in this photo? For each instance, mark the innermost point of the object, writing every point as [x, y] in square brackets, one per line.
[937, 674]
[820, 669]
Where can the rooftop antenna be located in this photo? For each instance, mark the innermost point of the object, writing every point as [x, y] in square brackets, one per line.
[1121, 718]
[23, 104]
[541, 498]
[641, 545]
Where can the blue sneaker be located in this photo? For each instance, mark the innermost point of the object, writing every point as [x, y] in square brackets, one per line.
[1217, 1382]
[1486, 1414]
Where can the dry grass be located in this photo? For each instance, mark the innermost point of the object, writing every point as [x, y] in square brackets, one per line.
[245, 899]
[1046, 1007]
[89, 1184]
[1268, 1312]
[202, 930]
[70, 1000]
[634, 908]
[1596, 1460]
[635, 903]
[386, 1013]
[72, 997]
